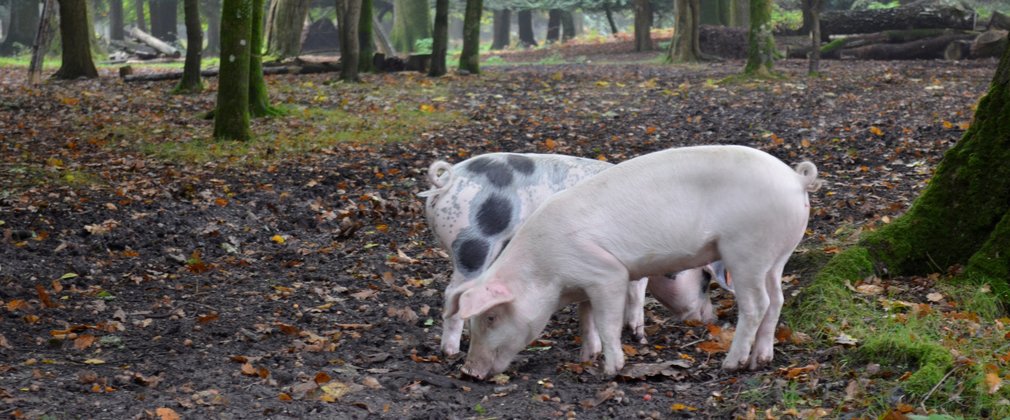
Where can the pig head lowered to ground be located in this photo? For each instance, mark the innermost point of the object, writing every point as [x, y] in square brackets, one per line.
[658, 213]
[475, 206]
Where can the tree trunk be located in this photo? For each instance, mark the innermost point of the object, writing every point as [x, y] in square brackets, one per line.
[919, 15]
[685, 47]
[610, 19]
[440, 41]
[999, 21]
[164, 19]
[932, 48]
[411, 22]
[567, 25]
[366, 39]
[814, 8]
[643, 19]
[741, 11]
[760, 42]
[191, 82]
[963, 215]
[284, 38]
[212, 9]
[502, 29]
[835, 48]
[141, 16]
[40, 45]
[349, 47]
[990, 43]
[259, 99]
[526, 37]
[553, 26]
[74, 33]
[116, 32]
[469, 60]
[24, 21]
[231, 116]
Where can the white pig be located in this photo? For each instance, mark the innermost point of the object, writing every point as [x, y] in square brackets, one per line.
[662, 212]
[475, 206]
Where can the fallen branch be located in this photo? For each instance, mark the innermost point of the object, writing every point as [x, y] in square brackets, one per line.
[157, 44]
[303, 68]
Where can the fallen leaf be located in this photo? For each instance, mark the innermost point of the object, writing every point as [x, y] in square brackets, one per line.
[249, 370]
[371, 383]
[846, 340]
[681, 407]
[94, 362]
[993, 382]
[869, 289]
[165, 413]
[277, 239]
[84, 341]
[934, 297]
[322, 378]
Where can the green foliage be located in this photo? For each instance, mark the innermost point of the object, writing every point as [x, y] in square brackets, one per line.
[423, 46]
[874, 5]
[786, 19]
[553, 59]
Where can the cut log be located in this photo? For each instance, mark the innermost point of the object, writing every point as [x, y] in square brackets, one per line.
[835, 47]
[990, 44]
[142, 51]
[999, 21]
[918, 15]
[159, 45]
[926, 49]
[302, 68]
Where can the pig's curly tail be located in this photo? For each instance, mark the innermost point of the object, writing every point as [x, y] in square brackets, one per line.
[808, 171]
[440, 178]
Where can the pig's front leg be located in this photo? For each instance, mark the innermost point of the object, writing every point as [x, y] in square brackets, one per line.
[752, 305]
[587, 330]
[608, 296]
[634, 309]
[452, 326]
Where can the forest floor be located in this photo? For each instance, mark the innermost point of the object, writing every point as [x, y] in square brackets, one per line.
[146, 271]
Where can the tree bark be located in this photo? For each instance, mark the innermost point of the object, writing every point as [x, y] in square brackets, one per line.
[709, 14]
[349, 47]
[685, 47]
[526, 37]
[231, 116]
[284, 38]
[835, 48]
[999, 21]
[366, 39]
[411, 22]
[191, 82]
[164, 19]
[963, 216]
[116, 32]
[567, 25]
[40, 45]
[141, 16]
[259, 99]
[760, 42]
[212, 9]
[553, 26]
[74, 33]
[643, 19]
[919, 15]
[814, 8]
[469, 60]
[24, 21]
[440, 41]
[925, 49]
[501, 29]
[610, 18]
[990, 43]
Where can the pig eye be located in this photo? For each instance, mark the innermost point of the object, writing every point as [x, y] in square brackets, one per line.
[489, 319]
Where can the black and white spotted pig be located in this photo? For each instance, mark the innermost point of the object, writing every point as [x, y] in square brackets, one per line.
[474, 208]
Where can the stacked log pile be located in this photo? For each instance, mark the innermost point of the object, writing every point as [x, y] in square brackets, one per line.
[923, 29]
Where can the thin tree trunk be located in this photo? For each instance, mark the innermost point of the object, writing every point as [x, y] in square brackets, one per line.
[74, 33]
[553, 26]
[259, 99]
[141, 16]
[440, 41]
[567, 26]
[41, 43]
[469, 60]
[760, 42]
[366, 40]
[815, 35]
[685, 46]
[231, 116]
[212, 9]
[116, 32]
[164, 18]
[501, 29]
[24, 21]
[349, 47]
[610, 19]
[191, 82]
[643, 16]
[526, 36]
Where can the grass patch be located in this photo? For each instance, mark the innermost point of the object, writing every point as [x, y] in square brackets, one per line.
[318, 129]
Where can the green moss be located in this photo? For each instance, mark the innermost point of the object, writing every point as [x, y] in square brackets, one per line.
[991, 263]
[929, 360]
[827, 295]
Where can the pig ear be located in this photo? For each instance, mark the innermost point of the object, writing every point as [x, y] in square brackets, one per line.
[718, 271]
[483, 297]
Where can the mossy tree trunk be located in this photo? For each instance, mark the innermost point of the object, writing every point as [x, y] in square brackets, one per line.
[567, 25]
[501, 29]
[963, 215]
[366, 43]
[212, 10]
[24, 21]
[643, 25]
[259, 99]
[411, 22]
[469, 59]
[76, 39]
[760, 42]
[138, 7]
[815, 35]
[191, 82]
[350, 14]
[440, 42]
[685, 46]
[231, 116]
[284, 37]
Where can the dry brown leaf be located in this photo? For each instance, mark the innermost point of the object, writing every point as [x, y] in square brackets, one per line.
[249, 370]
[165, 413]
[322, 378]
[364, 294]
[934, 297]
[993, 382]
[84, 341]
[869, 289]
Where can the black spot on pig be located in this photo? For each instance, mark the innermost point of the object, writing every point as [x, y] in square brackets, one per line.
[472, 253]
[521, 163]
[499, 174]
[706, 282]
[494, 215]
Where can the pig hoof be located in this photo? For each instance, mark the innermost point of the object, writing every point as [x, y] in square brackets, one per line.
[731, 365]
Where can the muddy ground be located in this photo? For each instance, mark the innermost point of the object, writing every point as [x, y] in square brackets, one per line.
[309, 286]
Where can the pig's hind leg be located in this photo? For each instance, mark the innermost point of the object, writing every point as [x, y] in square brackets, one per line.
[763, 350]
[634, 308]
[591, 345]
[752, 304]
